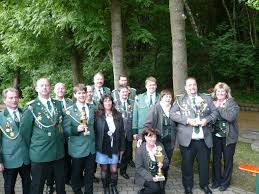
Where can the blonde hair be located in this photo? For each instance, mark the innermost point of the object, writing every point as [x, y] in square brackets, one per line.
[221, 85]
[150, 79]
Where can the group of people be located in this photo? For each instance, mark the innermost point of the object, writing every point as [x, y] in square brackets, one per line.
[62, 141]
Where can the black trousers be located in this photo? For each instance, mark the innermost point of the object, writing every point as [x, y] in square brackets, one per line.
[169, 153]
[126, 156]
[227, 151]
[67, 160]
[79, 166]
[39, 172]
[67, 164]
[151, 187]
[196, 150]
[10, 176]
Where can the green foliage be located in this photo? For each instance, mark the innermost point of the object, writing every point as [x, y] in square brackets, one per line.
[253, 3]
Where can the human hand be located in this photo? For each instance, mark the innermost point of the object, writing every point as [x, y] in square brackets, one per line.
[1, 167]
[135, 136]
[192, 122]
[203, 122]
[139, 143]
[155, 178]
[81, 128]
[160, 165]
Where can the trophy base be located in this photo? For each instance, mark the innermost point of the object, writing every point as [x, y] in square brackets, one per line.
[160, 178]
[86, 133]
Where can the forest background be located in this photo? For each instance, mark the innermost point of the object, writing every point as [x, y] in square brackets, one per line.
[70, 40]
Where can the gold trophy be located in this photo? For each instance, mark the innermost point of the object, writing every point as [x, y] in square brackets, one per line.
[159, 158]
[84, 121]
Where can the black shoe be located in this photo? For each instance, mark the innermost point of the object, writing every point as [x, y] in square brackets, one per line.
[207, 190]
[68, 183]
[214, 185]
[50, 190]
[125, 175]
[188, 190]
[223, 188]
[132, 164]
[96, 180]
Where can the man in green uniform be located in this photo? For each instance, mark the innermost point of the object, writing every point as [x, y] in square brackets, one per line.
[79, 126]
[91, 104]
[123, 82]
[41, 126]
[59, 90]
[99, 89]
[14, 152]
[143, 102]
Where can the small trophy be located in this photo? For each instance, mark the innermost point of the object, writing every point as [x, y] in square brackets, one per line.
[84, 121]
[159, 158]
[199, 106]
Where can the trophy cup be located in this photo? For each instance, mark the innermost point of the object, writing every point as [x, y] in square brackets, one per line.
[159, 158]
[199, 106]
[84, 121]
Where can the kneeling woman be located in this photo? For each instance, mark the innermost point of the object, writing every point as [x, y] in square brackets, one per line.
[146, 165]
[110, 142]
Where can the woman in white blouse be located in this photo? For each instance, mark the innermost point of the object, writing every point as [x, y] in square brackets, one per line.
[110, 142]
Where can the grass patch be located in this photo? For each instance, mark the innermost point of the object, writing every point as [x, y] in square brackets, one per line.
[240, 179]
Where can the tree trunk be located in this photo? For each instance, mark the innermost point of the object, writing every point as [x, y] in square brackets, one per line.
[117, 43]
[77, 68]
[17, 80]
[179, 53]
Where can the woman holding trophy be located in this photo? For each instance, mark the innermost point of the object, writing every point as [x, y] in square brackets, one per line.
[225, 135]
[151, 159]
[110, 142]
[158, 119]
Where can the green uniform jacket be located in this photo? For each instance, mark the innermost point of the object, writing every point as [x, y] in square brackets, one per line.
[132, 94]
[43, 132]
[140, 110]
[79, 145]
[96, 99]
[13, 150]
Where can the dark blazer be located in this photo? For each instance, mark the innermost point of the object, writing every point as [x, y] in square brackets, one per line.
[127, 116]
[142, 164]
[99, 126]
[182, 109]
[229, 112]
[155, 121]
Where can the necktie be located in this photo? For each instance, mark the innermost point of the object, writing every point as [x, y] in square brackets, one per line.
[124, 106]
[196, 129]
[49, 106]
[150, 101]
[83, 108]
[16, 120]
[62, 104]
[193, 102]
[100, 93]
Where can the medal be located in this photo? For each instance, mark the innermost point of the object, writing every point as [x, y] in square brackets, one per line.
[7, 130]
[12, 134]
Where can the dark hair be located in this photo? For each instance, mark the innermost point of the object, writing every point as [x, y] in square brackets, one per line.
[148, 132]
[165, 92]
[101, 111]
[79, 87]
